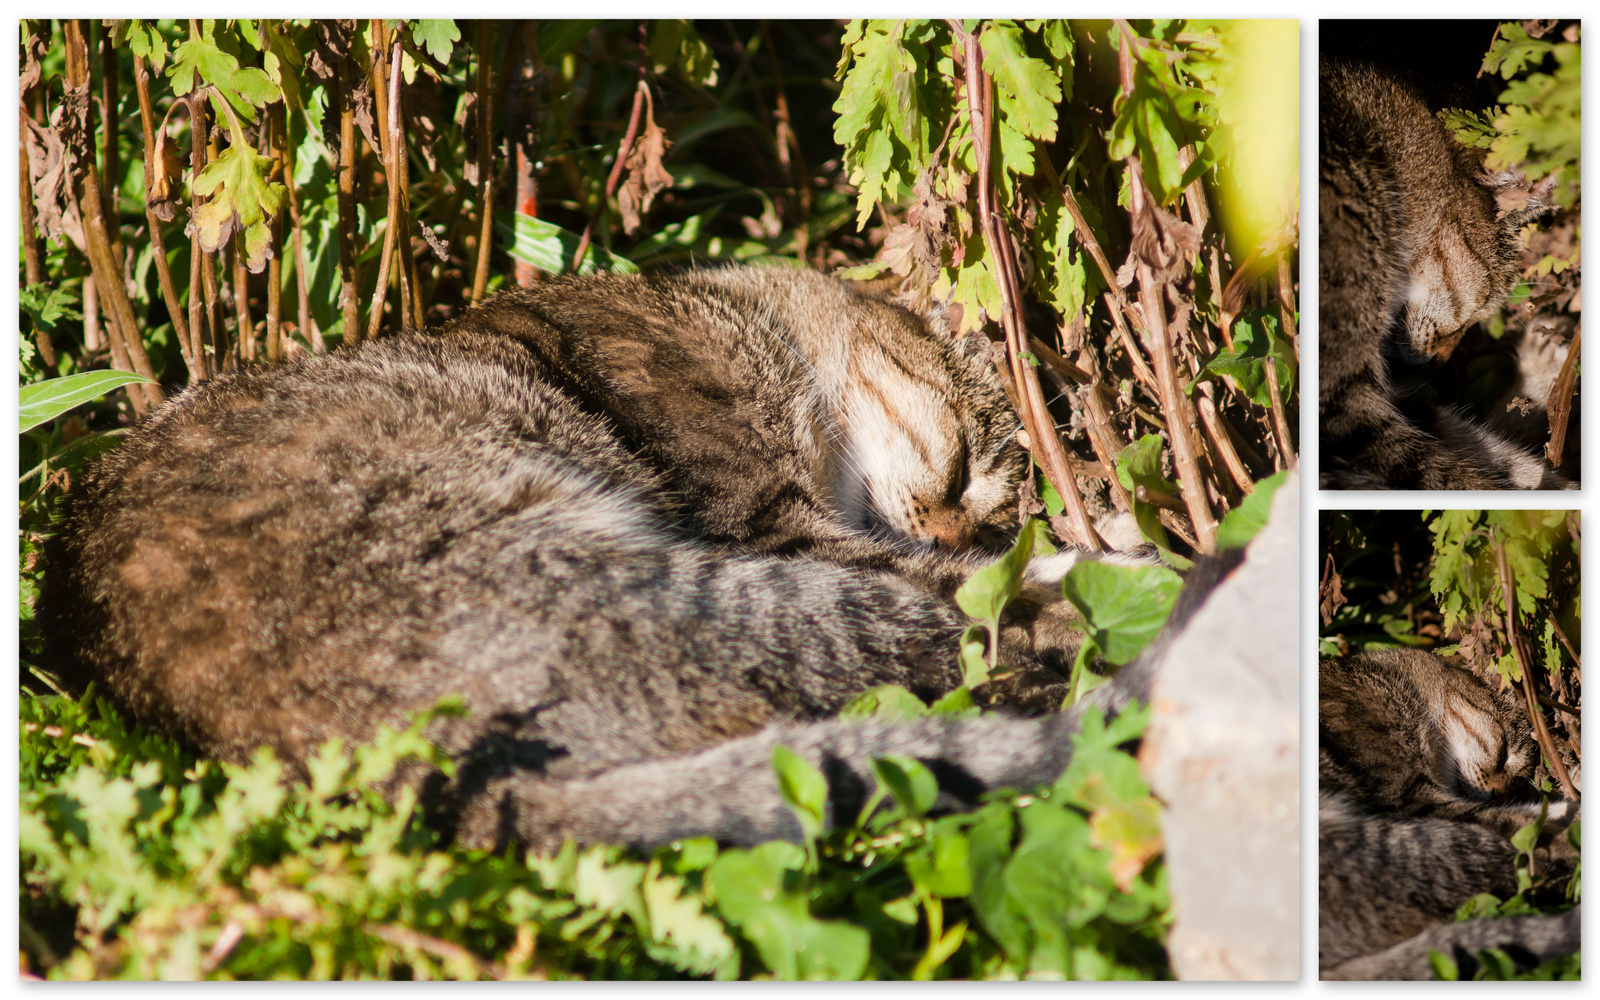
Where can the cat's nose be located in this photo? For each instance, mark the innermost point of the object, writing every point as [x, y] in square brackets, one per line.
[950, 534]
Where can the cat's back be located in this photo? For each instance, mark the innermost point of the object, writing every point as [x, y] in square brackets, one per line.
[309, 530]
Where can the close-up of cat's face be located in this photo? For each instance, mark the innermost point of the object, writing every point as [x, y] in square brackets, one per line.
[1487, 752]
[1453, 284]
[926, 456]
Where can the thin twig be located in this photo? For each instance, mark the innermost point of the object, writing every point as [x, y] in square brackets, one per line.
[449, 951]
[246, 339]
[307, 325]
[392, 222]
[169, 288]
[485, 114]
[349, 284]
[125, 338]
[788, 140]
[1559, 405]
[1541, 732]
[1180, 418]
[198, 260]
[275, 265]
[1280, 420]
[1221, 445]
[1045, 442]
[639, 93]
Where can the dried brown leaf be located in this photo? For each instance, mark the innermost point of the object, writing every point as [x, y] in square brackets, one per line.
[646, 176]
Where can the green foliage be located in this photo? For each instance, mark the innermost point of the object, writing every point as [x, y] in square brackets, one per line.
[47, 400]
[1123, 607]
[986, 593]
[1536, 126]
[176, 868]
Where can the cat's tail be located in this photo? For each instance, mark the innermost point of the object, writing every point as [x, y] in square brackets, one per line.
[730, 791]
[1529, 941]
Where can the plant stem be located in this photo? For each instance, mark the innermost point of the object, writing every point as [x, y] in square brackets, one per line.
[641, 90]
[169, 288]
[127, 348]
[1541, 731]
[485, 114]
[1044, 442]
[1559, 405]
[349, 285]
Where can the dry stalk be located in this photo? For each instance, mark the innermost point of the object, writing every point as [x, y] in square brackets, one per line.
[1559, 404]
[349, 284]
[127, 347]
[640, 92]
[392, 221]
[1541, 731]
[485, 114]
[1045, 443]
[169, 288]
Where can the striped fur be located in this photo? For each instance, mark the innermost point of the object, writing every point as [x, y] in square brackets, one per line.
[1412, 254]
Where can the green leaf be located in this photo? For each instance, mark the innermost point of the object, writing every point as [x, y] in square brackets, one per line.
[47, 305]
[1256, 343]
[240, 200]
[438, 37]
[47, 400]
[974, 668]
[1028, 88]
[1139, 464]
[886, 701]
[940, 867]
[1123, 607]
[988, 590]
[910, 782]
[1242, 523]
[1444, 967]
[752, 892]
[803, 787]
[145, 41]
[551, 249]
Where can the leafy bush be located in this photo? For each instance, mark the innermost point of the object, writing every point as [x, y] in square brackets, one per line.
[1500, 589]
[206, 194]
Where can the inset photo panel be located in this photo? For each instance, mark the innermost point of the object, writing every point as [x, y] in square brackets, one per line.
[1449, 691]
[1448, 263]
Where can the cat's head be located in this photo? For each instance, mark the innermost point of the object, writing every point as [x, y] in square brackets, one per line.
[1464, 272]
[1487, 750]
[926, 451]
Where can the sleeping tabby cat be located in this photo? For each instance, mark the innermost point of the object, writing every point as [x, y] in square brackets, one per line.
[648, 527]
[1425, 773]
[1409, 240]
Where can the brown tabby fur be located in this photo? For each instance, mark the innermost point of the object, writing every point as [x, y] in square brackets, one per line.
[1409, 239]
[1425, 773]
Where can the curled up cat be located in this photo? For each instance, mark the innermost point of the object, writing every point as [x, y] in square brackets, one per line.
[1412, 253]
[1425, 773]
[648, 527]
